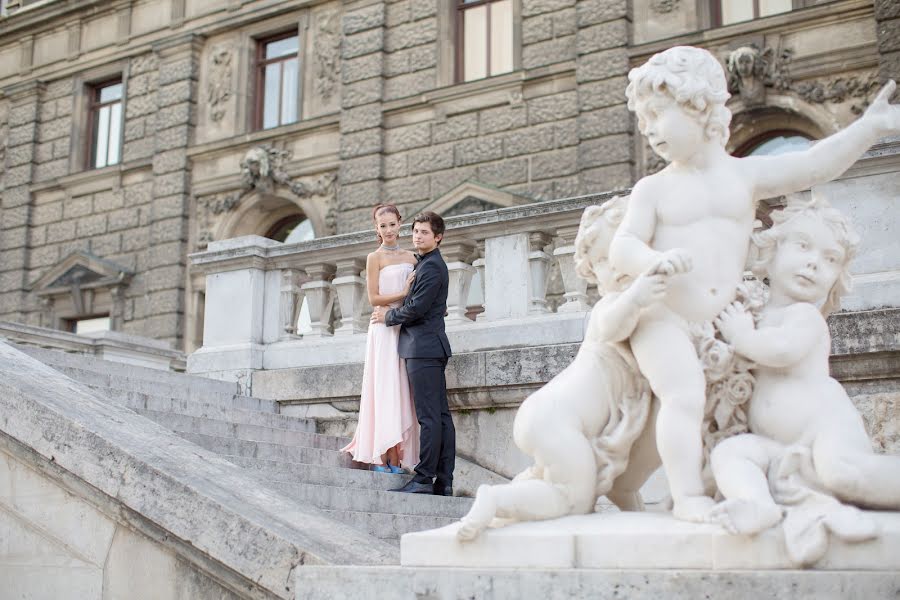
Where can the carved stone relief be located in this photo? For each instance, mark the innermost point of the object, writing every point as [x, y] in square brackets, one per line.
[218, 87]
[326, 56]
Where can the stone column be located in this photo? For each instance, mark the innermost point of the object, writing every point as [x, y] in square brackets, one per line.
[605, 144]
[576, 287]
[15, 201]
[290, 302]
[538, 265]
[320, 298]
[351, 292]
[360, 175]
[457, 254]
[179, 65]
[506, 277]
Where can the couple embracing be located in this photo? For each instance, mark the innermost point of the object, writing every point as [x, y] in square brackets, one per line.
[404, 416]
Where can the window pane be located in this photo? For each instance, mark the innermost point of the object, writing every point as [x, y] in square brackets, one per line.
[501, 37]
[781, 144]
[101, 139]
[270, 95]
[301, 233]
[89, 325]
[115, 132]
[475, 43]
[772, 7]
[111, 92]
[736, 10]
[289, 92]
[282, 47]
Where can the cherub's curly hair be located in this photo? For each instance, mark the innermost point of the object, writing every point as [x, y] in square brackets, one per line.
[597, 226]
[693, 78]
[765, 243]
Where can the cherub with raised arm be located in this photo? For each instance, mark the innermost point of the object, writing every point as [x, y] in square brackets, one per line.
[587, 428]
[695, 218]
[796, 405]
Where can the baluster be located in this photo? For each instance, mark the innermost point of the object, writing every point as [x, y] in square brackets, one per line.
[460, 272]
[351, 292]
[538, 265]
[319, 298]
[291, 300]
[576, 287]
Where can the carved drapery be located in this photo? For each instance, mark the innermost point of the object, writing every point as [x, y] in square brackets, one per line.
[218, 86]
[327, 55]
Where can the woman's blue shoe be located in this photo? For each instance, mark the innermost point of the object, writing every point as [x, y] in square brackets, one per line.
[395, 469]
[382, 468]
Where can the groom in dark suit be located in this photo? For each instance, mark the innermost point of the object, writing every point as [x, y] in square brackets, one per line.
[426, 349]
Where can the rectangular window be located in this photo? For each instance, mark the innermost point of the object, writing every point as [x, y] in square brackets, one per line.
[484, 38]
[106, 124]
[89, 325]
[278, 81]
[726, 12]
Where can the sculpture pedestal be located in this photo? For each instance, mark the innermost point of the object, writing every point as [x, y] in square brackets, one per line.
[638, 541]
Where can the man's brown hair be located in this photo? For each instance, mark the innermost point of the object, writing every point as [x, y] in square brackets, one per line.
[434, 221]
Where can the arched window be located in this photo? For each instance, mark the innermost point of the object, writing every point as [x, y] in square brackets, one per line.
[290, 229]
[774, 142]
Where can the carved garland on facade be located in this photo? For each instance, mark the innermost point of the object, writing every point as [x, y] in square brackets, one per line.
[327, 56]
[218, 88]
[261, 169]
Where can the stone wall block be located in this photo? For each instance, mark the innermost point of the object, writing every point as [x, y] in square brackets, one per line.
[422, 57]
[601, 65]
[470, 152]
[134, 129]
[170, 160]
[360, 118]
[170, 206]
[360, 44]
[433, 158]
[65, 106]
[139, 193]
[601, 94]
[410, 189]
[607, 150]
[173, 116]
[423, 8]
[143, 64]
[78, 207]
[136, 149]
[17, 237]
[552, 108]
[604, 121]
[162, 255]
[537, 29]
[17, 176]
[126, 218]
[45, 213]
[61, 148]
[364, 18]
[357, 195]
[55, 129]
[396, 165]
[361, 143]
[178, 70]
[47, 110]
[456, 128]
[536, 7]
[162, 278]
[43, 257]
[109, 200]
[410, 84]
[554, 164]
[168, 230]
[17, 196]
[411, 34]
[164, 302]
[22, 114]
[502, 118]
[363, 67]
[12, 260]
[444, 181]
[566, 133]
[59, 88]
[14, 217]
[23, 155]
[503, 173]
[889, 35]
[531, 140]
[360, 169]
[145, 83]
[407, 137]
[590, 12]
[361, 92]
[549, 52]
[602, 179]
[602, 36]
[104, 245]
[397, 13]
[170, 184]
[138, 106]
[397, 63]
[89, 226]
[567, 187]
[173, 137]
[174, 93]
[133, 241]
[24, 134]
[565, 22]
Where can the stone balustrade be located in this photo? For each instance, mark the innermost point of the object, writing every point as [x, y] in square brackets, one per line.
[499, 262]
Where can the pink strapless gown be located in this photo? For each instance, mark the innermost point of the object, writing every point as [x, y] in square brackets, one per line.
[387, 415]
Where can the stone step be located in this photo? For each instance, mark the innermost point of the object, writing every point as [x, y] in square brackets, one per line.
[373, 501]
[284, 471]
[213, 411]
[58, 360]
[133, 398]
[254, 433]
[270, 451]
[388, 527]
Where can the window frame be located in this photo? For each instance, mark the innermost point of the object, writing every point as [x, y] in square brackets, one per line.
[461, 6]
[715, 11]
[93, 110]
[259, 78]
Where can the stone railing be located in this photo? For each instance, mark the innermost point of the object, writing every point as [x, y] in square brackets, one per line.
[108, 345]
[499, 264]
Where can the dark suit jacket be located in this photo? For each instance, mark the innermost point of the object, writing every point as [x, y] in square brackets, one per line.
[422, 314]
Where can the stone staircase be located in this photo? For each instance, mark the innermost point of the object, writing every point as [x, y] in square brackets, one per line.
[284, 453]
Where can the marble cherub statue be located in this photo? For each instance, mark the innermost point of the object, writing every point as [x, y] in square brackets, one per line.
[694, 218]
[798, 412]
[589, 429]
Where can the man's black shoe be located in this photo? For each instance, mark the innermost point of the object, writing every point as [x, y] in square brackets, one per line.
[443, 490]
[414, 487]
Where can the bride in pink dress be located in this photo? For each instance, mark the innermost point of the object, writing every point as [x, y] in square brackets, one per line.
[387, 433]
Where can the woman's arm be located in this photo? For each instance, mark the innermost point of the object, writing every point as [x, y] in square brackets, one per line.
[373, 268]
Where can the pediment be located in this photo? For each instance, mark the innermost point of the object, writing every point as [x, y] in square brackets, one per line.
[83, 270]
[471, 197]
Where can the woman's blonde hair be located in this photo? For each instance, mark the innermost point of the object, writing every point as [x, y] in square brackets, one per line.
[765, 243]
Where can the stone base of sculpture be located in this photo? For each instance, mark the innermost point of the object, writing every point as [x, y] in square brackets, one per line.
[647, 540]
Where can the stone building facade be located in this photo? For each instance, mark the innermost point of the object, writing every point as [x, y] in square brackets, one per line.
[378, 106]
